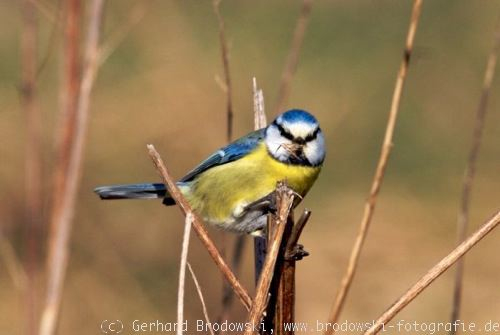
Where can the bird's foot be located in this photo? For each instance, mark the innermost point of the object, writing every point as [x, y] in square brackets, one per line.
[297, 253]
[266, 204]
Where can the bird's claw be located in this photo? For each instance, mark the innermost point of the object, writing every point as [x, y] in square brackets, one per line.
[297, 253]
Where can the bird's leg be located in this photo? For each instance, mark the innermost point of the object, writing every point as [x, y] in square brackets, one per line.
[266, 204]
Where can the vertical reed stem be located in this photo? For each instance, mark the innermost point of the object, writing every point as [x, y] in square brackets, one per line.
[33, 159]
[380, 171]
[470, 171]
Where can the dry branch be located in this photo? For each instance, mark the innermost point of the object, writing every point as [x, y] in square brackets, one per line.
[284, 201]
[199, 228]
[433, 273]
[293, 56]
[284, 288]
[380, 171]
[182, 271]
[63, 212]
[470, 170]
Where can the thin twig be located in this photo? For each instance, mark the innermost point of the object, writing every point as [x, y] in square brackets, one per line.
[284, 200]
[293, 56]
[225, 62]
[199, 228]
[69, 90]
[33, 158]
[200, 294]
[470, 170]
[182, 271]
[63, 214]
[380, 171]
[136, 15]
[433, 273]
[55, 20]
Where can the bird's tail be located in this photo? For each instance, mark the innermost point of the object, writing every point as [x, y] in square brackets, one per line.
[135, 191]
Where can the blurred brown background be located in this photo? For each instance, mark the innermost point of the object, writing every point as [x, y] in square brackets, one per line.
[158, 87]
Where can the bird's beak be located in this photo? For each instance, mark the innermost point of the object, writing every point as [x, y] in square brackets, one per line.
[293, 148]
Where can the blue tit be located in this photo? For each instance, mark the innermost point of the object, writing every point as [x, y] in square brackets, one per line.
[232, 189]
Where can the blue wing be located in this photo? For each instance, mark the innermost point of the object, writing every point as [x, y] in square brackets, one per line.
[230, 153]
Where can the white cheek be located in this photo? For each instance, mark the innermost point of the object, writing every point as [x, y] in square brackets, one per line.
[274, 143]
[315, 150]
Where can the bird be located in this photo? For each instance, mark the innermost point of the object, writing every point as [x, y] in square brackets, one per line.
[233, 188]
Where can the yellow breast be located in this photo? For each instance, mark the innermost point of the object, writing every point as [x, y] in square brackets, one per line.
[220, 190]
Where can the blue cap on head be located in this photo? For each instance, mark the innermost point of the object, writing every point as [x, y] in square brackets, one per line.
[297, 115]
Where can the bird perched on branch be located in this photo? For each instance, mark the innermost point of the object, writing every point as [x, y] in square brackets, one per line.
[233, 188]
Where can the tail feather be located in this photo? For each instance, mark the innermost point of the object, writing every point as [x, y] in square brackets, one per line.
[132, 191]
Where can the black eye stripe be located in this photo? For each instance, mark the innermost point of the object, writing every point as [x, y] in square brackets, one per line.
[283, 132]
[312, 136]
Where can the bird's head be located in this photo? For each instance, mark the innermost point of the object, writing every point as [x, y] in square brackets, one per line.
[295, 137]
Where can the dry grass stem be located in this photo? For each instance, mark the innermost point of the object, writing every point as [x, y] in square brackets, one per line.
[470, 170]
[433, 273]
[33, 159]
[63, 212]
[259, 112]
[199, 228]
[46, 9]
[284, 200]
[200, 294]
[293, 56]
[380, 171]
[225, 62]
[182, 271]
[136, 15]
